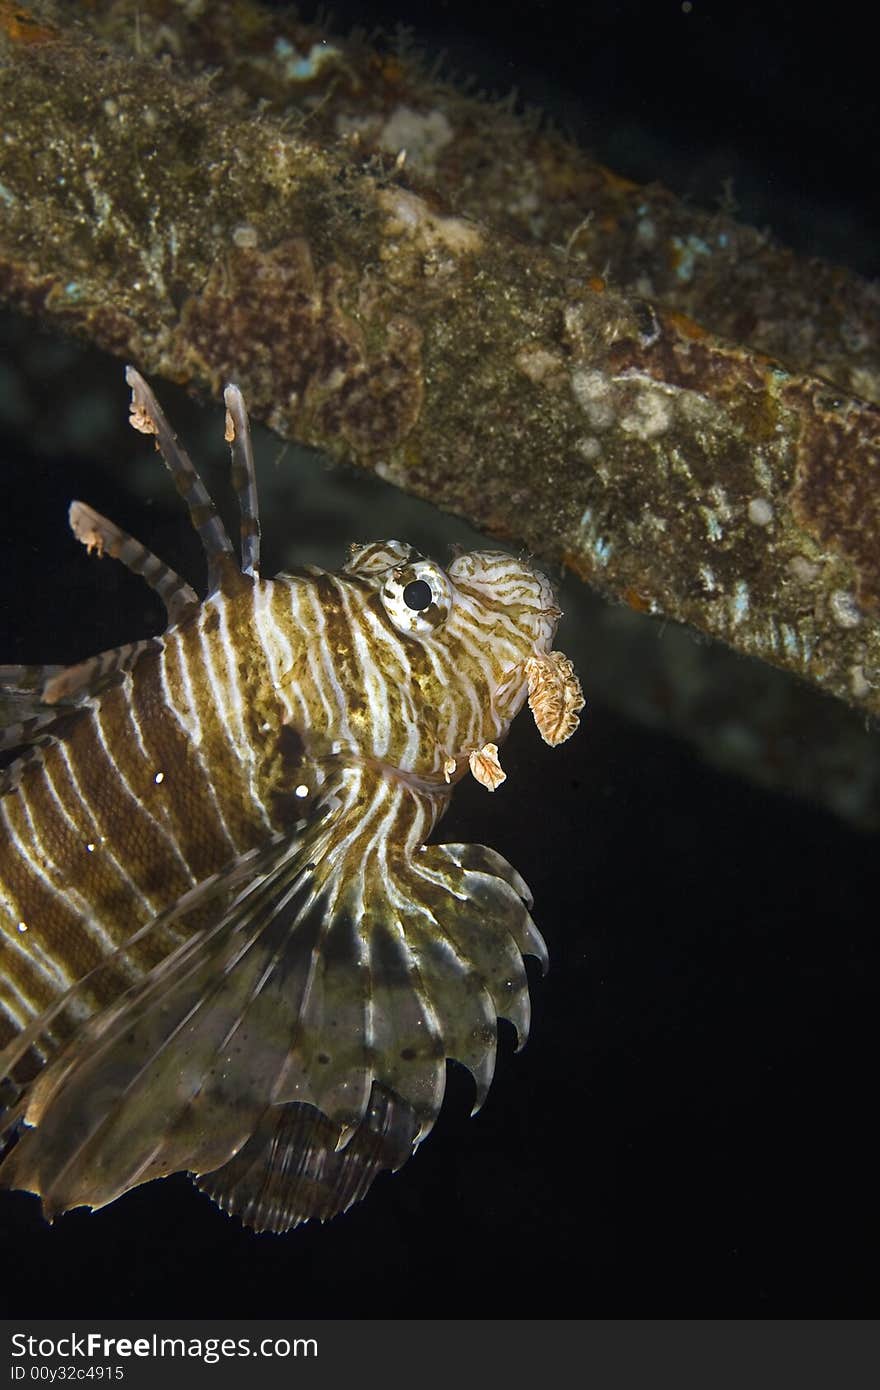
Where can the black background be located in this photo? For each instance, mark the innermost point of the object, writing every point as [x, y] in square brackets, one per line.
[687, 1131]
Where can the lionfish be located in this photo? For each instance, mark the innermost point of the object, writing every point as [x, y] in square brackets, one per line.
[227, 946]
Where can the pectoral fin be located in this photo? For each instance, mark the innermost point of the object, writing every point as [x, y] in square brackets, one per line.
[292, 1168]
[302, 1016]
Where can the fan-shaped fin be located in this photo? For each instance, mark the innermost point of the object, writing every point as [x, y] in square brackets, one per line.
[36, 1037]
[292, 1168]
[296, 997]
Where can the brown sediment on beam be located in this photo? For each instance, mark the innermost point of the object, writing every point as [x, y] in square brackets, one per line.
[512, 170]
[160, 216]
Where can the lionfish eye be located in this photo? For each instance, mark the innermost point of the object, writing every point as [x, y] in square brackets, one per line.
[417, 595]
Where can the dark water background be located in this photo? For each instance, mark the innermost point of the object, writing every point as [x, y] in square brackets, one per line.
[688, 1129]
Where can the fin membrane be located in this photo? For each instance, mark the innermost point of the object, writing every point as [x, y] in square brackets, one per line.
[299, 996]
[292, 1168]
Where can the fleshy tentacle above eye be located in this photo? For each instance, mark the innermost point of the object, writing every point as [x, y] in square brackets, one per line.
[296, 1048]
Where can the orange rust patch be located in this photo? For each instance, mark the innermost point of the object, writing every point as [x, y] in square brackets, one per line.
[687, 327]
[617, 182]
[579, 565]
[388, 68]
[21, 27]
[637, 601]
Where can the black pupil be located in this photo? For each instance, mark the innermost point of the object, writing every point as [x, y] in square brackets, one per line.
[418, 595]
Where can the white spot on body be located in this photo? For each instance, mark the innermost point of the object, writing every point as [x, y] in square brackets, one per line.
[301, 790]
[22, 926]
[159, 778]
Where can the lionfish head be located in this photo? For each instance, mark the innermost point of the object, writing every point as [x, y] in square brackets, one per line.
[478, 638]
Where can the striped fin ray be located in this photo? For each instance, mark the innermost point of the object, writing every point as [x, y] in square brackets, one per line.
[25, 682]
[97, 532]
[29, 720]
[148, 417]
[293, 1016]
[34, 712]
[244, 478]
[52, 700]
[29, 695]
[95, 673]
[23, 713]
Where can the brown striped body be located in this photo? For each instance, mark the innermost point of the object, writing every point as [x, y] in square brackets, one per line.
[117, 819]
[225, 943]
